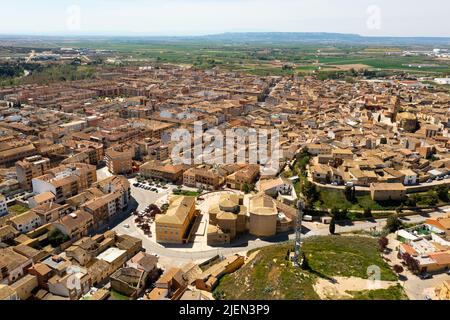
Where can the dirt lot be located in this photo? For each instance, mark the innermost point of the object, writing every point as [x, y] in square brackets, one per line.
[338, 288]
[346, 67]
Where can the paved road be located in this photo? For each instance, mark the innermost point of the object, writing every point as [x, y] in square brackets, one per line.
[178, 255]
[415, 288]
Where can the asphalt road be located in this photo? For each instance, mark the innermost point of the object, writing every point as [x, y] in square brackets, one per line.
[415, 288]
[180, 254]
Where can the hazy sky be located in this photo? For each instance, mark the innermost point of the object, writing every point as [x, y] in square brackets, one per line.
[185, 17]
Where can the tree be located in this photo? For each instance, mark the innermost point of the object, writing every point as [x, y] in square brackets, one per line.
[333, 226]
[393, 223]
[344, 214]
[302, 160]
[412, 263]
[164, 207]
[442, 193]
[398, 268]
[411, 201]
[309, 190]
[383, 243]
[339, 214]
[350, 194]
[247, 188]
[56, 238]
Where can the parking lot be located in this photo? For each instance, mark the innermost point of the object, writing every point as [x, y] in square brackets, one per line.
[146, 194]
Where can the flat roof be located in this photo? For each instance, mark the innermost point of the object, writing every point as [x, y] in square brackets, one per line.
[111, 254]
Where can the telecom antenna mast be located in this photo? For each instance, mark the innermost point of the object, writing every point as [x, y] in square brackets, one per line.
[298, 234]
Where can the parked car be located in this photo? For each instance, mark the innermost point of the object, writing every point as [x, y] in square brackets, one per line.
[425, 276]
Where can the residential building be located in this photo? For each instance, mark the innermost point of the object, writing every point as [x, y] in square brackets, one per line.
[111, 197]
[3, 206]
[170, 286]
[50, 212]
[76, 224]
[25, 222]
[29, 168]
[7, 293]
[247, 175]
[8, 233]
[15, 153]
[25, 286]
[119, 160]
[13, 266]
[170, 173]
[66, 181]
[41, 199]
[202, 178]
[440, 225]
[411, 178]
[73, 284]
[144, 262]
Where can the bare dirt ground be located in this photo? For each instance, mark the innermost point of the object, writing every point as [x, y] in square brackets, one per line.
[335, 290]
[251, 257]
[346, 67]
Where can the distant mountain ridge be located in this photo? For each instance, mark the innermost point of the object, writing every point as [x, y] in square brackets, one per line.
[322, 37]
[254, 38]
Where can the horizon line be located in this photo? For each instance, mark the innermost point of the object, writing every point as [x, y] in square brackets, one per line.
[199, 35]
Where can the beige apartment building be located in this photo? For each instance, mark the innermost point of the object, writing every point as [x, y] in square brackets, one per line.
[172, 173]
[174, 226]
[247, 175]
[92, 150]
[119, 160]
[30, 168]
[202, 178]
[66, 181]
[112, 197]
[9, 156]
